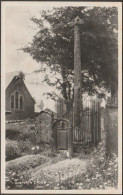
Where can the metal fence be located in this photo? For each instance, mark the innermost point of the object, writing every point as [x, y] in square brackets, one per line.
[90, 127]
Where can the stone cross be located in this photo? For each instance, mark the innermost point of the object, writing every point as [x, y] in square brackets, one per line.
[77, 76]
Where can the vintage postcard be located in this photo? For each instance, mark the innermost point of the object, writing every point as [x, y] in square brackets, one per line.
[61, 97]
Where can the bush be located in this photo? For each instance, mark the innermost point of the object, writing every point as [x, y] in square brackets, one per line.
[17, 131]
[25, 146]
[12, 150]
[12, 134]
[27, 135]
[26, 162]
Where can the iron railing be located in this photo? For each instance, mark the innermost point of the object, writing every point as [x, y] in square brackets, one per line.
[90, 127]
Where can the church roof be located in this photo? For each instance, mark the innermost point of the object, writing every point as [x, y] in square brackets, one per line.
[9, 76]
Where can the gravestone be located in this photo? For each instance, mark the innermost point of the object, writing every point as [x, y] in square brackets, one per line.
[43, 125]
[63, 135]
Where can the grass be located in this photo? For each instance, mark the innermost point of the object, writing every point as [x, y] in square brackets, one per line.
[20, 171]
[25, 162]
[12, 150]
[101, 173]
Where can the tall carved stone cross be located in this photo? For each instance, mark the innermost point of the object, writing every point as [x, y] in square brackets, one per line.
[77, 76]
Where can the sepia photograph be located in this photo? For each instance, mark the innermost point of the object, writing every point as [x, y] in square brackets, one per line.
[61, 97]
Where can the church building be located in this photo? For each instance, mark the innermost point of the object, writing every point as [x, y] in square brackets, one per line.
[19, 102]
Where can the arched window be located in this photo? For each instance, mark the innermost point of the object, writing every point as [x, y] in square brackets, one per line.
[21, 102]
[12, 101]
[16, 100]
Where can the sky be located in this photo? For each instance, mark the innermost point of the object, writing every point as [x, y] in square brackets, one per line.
[19, 31]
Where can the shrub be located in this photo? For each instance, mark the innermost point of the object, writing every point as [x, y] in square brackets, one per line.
[16, 131]
[27, 135]
[12, 150]
[12, 134]
[26, 162]
[25, 146]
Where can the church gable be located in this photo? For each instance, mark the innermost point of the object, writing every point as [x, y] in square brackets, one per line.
[17, 84]
[18, 100]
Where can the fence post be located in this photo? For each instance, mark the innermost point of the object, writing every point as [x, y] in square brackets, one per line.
[92, 129]
[53, 133]
[99, 122]
[95, 128]
[52, 121]
[70, 141]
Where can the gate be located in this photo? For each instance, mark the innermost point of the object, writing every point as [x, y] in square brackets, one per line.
[90, 131]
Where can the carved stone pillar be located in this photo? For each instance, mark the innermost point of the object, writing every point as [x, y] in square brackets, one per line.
[77, 77]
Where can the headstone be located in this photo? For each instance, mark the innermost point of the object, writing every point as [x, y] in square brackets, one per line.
[63, 135]
[43, 123]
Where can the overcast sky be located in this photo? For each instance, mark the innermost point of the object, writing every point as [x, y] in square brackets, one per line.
[19, 31]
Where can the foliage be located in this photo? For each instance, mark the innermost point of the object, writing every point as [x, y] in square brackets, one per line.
[101, 173]
[12, 150]
[31, 140]
[27, 135]
[21, 131]
[53, 45]
[12, 134]
[14, 181]
[25, 162]
[14, 178]
[24, 134]
[21, 127]
[25, 146]
[19, 177]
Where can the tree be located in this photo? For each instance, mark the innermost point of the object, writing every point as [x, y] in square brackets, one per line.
[53, 46]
